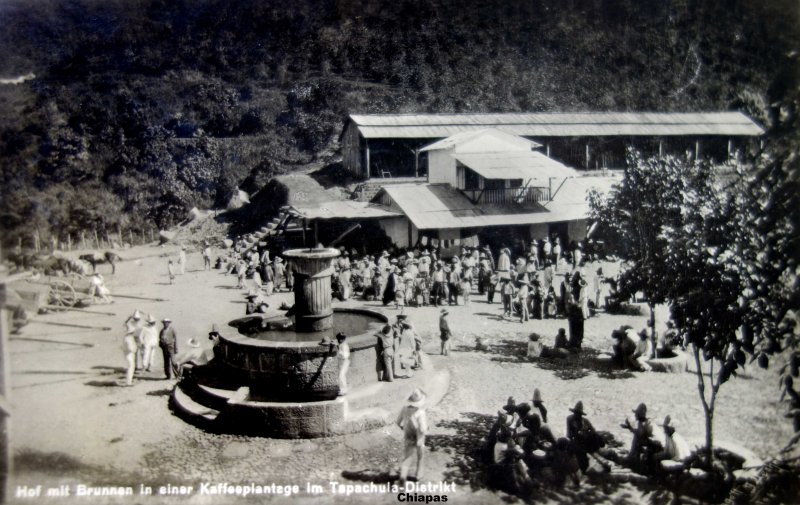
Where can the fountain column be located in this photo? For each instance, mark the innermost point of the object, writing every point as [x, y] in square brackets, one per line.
[313, 269]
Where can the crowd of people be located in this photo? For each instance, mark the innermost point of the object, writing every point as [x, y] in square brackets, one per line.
[543, 281]
[523, 452]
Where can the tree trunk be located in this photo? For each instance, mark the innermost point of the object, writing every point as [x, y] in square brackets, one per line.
[652, 324]
[708, 409]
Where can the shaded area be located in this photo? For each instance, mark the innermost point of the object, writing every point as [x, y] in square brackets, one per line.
[467, 447]
[579, 365]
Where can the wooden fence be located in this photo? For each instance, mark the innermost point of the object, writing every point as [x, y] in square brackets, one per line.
[94, 239]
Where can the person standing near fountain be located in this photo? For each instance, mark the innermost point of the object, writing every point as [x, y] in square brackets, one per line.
[385, 354]
[168, 341]
[343, 356]
[414, 423]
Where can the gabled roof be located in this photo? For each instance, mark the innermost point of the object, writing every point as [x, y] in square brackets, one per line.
[515, 165]
[440, 206]
[483, 140]
[558, 124]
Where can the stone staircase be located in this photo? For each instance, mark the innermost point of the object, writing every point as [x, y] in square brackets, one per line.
[281, 224]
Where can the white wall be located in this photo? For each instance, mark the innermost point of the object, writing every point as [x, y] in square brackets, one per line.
[442, 167]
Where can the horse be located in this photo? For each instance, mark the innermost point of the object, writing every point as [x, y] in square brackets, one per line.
[95, 259]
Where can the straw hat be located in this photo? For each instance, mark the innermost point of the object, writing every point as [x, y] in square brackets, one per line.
[578, 409]
[537, 396]
[417, 398]
[325, 340]
[667, 422]
[445, 312]
[214, 329]
[193, 342]
[166, 320]
[641, 411]
[137, 315]
[151, 319]
[340, 336]
[510, 405]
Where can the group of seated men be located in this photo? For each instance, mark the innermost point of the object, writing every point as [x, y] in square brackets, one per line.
[523, 452]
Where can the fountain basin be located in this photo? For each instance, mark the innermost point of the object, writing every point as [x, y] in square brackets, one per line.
[287, 365]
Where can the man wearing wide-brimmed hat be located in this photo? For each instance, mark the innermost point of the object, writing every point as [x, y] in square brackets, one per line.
[149, 340]
[642, 434]
[444, 332]
[583, 435]
[168, 342]
[414, 423]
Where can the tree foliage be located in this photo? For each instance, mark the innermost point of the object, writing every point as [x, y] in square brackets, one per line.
[152, 100]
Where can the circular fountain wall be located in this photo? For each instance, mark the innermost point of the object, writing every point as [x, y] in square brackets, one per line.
[283, 360]
[284, 364]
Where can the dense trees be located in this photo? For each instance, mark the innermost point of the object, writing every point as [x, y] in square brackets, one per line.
[161, 105]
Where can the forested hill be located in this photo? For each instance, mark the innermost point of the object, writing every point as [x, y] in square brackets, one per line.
[141, 109]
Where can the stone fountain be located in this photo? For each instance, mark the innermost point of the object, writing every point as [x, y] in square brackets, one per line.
[278, 377]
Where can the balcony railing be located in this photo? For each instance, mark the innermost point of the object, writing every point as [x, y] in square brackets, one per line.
[508, 195]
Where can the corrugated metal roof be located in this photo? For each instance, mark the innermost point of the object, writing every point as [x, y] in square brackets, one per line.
[557, 124]
[515, 165]
[483, 140]
[344, 209]
[439, 206]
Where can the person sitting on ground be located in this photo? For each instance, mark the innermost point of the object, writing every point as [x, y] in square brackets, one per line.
[643, 351]
[99, 289]
[255, 304]
[624, 347]
[512, 474]
[560, 348]
[499, 431]
[584, 438]
[643, 447]
[536, 438]
[511, 409]
[676, 449]
[564, 464]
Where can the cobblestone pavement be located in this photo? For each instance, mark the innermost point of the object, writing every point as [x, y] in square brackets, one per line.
[73, 424]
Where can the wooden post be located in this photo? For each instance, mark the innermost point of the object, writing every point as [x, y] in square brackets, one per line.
[304, 232]
[130, 236]
[730, 148]
[96, 240]
[36, 240]
[5, 391]
[660, 148]
[366, 142]
[547, 148]
[697, 150]
[69, 242]
[587, 156]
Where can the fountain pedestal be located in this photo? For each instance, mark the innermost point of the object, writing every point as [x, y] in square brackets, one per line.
[313, 269]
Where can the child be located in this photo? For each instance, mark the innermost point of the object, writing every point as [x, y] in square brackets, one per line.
[171, 270]
[444, 332]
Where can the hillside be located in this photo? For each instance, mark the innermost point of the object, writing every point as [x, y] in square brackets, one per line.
[143, 109]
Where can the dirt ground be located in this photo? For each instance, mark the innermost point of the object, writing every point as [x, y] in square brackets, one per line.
[73, 424]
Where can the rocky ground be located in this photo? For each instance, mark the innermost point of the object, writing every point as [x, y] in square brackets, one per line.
[73, 424]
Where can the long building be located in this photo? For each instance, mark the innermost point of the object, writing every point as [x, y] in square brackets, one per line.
[390, 145]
